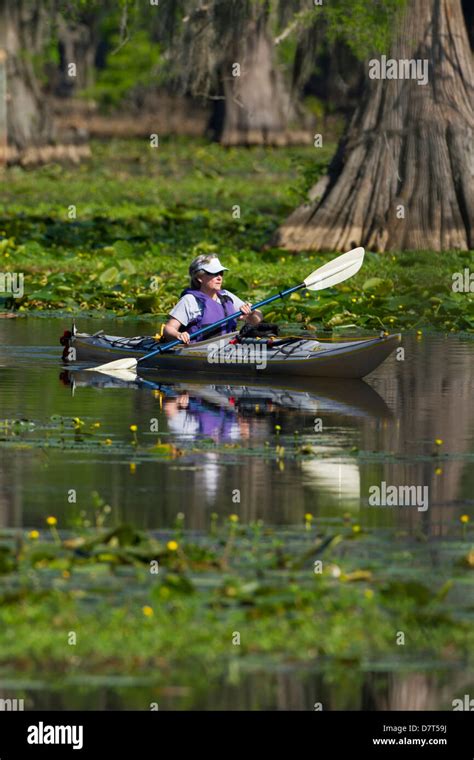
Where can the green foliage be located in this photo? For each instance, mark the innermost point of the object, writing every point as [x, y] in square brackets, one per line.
[137, 229]
[365, 27]
[286, 52]
[129, 66]
[309, 173]
[315, 106]
[377, 286]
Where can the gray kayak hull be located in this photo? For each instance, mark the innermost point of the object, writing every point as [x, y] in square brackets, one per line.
[218, 357]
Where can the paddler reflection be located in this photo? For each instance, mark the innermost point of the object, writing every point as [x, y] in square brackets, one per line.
[195, 417]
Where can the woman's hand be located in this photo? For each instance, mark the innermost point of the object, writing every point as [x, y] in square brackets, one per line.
[171, 331]
[252, 317]
[246, 310]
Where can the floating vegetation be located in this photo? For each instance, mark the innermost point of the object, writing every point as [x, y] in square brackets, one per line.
[129, 250]
[321, 591]
[75, 434]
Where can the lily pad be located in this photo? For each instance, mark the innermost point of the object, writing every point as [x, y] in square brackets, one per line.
[378, 286]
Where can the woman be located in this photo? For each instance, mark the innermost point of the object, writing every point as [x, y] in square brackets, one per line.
[205, 302]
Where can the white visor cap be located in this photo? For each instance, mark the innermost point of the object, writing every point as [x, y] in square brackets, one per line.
[213, 267]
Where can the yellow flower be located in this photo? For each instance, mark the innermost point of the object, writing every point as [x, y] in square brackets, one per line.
[308, 516]
[368, 593]
[33, 534]
[133, 428]
[419, 332]
[438, 471]
[51, 521]
[356, 528]
[96, 424]
[234, 518]
[439, 441]
[132, 467]
[277, 428]
[464, 518]
[147, 611]
[172, 546]
[108, 442]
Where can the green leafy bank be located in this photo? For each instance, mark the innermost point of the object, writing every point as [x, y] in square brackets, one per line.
[117, 234]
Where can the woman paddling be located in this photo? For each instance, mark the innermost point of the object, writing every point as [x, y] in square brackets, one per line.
[205, 302]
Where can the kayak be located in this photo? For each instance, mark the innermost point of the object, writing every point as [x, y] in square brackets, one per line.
[227, 355]
[347, 398]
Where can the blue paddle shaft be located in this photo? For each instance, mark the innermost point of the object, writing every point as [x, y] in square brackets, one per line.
[222, 321]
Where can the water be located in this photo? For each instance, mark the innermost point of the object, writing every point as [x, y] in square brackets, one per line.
[381, 430]
[395, 417]
[278, 689]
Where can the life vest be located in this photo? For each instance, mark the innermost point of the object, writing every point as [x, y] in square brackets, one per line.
[211, 311]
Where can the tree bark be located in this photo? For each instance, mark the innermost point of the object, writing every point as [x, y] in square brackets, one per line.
[3, 92]
[29, 122]
[255, 107]
[402, 178]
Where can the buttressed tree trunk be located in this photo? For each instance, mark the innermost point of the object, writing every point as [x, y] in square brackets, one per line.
[403, 176]
[3, 93]
[257, 104]
[28, 120]
[27, 133]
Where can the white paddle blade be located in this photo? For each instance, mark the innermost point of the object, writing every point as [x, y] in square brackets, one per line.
[336, 271]
[125, 375]
[118, 364]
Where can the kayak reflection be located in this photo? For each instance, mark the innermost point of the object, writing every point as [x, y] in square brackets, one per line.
[224, 412]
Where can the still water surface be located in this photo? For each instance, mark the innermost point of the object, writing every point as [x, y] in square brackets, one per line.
[361, 433]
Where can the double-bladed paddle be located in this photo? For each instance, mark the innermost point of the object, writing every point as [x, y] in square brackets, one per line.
[329, 274]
